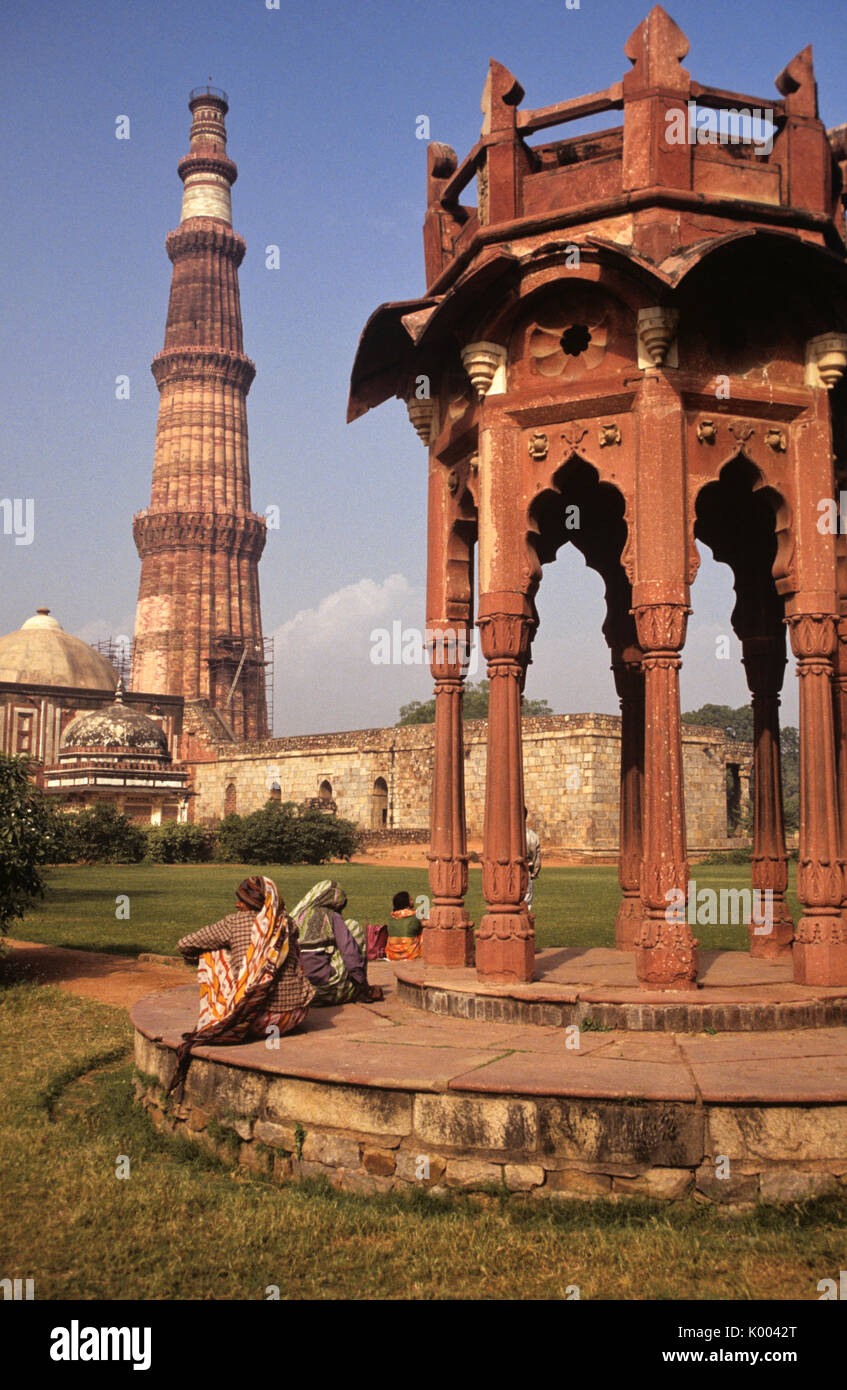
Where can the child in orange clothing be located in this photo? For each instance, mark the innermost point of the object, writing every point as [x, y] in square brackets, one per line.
[405, 930]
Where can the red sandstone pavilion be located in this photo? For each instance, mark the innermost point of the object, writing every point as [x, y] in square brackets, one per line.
[198, 629]
[655, 332]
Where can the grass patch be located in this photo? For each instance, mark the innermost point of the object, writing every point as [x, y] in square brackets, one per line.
[574, 907]
[184, 1226]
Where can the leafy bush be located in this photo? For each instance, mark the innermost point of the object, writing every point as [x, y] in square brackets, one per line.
[178, 842]
[103, 835]
[283, 833]
[23, 840]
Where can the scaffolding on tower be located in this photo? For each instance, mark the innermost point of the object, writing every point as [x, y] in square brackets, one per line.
[117, 650]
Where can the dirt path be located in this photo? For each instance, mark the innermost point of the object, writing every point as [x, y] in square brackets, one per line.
[118, 980]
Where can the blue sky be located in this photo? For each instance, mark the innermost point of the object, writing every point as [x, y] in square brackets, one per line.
[323, 105]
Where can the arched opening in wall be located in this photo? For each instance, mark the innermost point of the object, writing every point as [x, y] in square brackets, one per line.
[582, 604]
[739, 615]
[733, 797]
[379, 804]
[325, 791]
[230, 799]
[275, 793]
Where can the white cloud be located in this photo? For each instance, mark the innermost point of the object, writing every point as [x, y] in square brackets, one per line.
[325, 678]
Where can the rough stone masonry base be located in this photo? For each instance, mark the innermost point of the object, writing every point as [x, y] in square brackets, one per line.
[371, 1139]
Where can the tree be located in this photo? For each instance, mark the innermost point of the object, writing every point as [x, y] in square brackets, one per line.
[474, 706]
[737, 723]
[23, 840]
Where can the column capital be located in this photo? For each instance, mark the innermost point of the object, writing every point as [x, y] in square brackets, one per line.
[812, 635]
[661, 627]
[448, 646]
[505, 637]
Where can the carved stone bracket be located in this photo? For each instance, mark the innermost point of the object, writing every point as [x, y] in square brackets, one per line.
[485, 364]
[422, 416]
[826, 359]
[657, 337]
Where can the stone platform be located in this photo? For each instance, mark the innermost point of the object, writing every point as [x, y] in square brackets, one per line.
[382, 1096]
[736, 994]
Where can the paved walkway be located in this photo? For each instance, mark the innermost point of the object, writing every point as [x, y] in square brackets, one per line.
[391, 1045]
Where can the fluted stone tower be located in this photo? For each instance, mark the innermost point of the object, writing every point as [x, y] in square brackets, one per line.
[198, 629]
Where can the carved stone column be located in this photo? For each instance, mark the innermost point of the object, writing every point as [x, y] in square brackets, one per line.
[505, 948]
[629, 683]
[764, 663]
[839, 706]
[448, 932]
[820, 951]
[666, 953]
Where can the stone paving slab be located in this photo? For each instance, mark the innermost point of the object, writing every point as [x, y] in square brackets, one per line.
[598, 973]
[392, 1046]
[783, 1081]
[735, 993]
[568, 1074]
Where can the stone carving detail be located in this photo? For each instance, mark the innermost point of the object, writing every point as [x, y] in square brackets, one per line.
[453, 482]
[826, 359]
[569, 347]
[775, 439]
[812, 636]
[661, 627]
[741, 430]
[482, 362]
[573, 435]
[482, 192]
[422, 415]
[538, 445]
[609, 434]
[656, 331]
[163, 531]
[707, 431]
[203, 364]
[504, 637]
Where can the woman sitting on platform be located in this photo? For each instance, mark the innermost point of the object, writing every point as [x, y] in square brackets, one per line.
[251, 979]
[405, 930]
[334, 952]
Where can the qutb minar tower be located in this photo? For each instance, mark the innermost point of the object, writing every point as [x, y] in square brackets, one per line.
[198, 628]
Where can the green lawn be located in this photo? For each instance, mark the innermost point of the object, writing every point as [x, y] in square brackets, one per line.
[573, 906]
[181, 1226]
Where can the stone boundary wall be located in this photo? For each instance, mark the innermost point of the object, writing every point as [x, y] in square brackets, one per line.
[371, 1139]
[571, 778]
[369, 838]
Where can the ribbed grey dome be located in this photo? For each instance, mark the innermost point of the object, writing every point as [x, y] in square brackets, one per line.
[117, 728]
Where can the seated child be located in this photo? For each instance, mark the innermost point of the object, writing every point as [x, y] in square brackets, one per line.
[405, 939]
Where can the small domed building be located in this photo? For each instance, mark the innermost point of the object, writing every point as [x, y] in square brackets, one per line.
[121, 755]
[52, 682]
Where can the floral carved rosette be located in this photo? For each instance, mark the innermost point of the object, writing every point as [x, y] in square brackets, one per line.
[569, 340]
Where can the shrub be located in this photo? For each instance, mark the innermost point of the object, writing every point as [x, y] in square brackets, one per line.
[177, 842]
[23, 840]
[63, 845]
[106, 836]
[283, 833]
